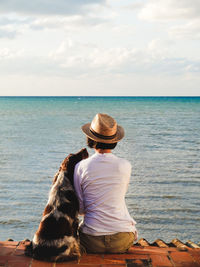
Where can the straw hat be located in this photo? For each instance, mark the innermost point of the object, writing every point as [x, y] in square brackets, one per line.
[103, 129]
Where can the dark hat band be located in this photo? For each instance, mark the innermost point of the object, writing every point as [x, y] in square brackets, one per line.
[105, 137]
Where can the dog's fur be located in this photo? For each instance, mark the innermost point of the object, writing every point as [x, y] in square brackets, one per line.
[56, 238]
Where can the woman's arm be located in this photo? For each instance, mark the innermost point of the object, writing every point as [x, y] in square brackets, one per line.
[78, 189]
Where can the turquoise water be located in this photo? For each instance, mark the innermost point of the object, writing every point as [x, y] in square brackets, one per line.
[162, 143]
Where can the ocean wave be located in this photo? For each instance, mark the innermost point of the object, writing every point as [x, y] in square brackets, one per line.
[14, 222]
[161, 142]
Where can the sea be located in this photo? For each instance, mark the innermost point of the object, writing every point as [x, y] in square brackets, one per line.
[162, 142]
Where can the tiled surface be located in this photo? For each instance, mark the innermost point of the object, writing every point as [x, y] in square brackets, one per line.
[12, 255]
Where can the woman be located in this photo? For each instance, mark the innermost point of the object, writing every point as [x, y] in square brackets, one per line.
[101, 182]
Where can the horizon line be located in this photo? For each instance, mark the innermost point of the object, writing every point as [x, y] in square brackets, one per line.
[75, 96]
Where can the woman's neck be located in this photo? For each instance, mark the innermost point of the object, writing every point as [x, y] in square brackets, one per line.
[102, 151]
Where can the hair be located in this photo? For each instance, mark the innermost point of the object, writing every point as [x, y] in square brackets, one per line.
[98, 145]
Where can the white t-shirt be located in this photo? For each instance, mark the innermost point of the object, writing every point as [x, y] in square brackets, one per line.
[101, 182]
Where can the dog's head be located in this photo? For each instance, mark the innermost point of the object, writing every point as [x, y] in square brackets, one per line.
[72, 159]
[70, 162]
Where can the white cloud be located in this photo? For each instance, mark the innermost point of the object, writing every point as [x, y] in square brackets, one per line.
[159, 48]
[74, 59]
[13, 20]
[157, 57]
[12, 26]
[165, 10]
[134, 6]
[93, 16]
[7, 54]
[7, 32]
[71, 41]
[190, 30]
[67, 23]
[107, 84]
[186, 15]
[61, 7]
[90, 58]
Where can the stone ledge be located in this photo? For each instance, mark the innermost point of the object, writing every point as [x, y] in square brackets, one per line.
[175, 254]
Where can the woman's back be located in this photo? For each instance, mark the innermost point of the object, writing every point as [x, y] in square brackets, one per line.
[101, 182]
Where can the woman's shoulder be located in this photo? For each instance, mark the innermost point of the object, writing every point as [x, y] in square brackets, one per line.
[124, 163]
[84, 162]
[122, 160]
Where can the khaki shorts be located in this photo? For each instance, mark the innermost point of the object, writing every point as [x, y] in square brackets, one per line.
[116, 243]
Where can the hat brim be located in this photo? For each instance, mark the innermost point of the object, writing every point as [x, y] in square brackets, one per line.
[119, 134]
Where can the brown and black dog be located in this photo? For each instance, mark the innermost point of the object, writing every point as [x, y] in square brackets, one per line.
[56, 238]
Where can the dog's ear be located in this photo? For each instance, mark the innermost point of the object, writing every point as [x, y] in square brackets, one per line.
[85, 153]
[63, 165]
[55, 177]
[82, 154]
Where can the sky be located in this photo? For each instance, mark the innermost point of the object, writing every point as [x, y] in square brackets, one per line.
[100, 47]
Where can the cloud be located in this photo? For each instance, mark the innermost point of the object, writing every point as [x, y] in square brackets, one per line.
[67, 15]
[158, 48]
[7, 54]
[7, 32]
[165, 10]
[76, 59]
[134, 6]
[11, 26]
[108, 84]
[48, 7]
[190, 30]
[84, 57]
[10, 20]
[186, 14]
[76, 66]
[155, 58]
[67, 23]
